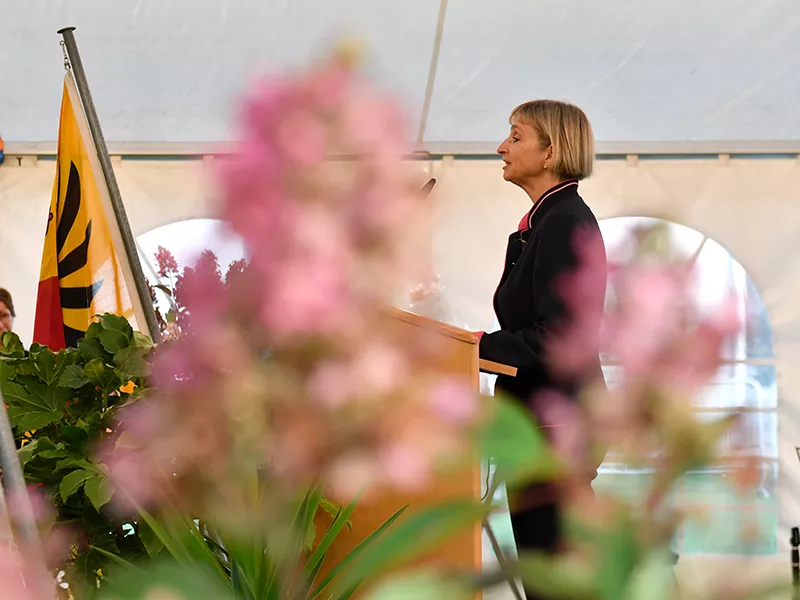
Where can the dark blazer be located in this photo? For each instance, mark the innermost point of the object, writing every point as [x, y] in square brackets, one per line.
[528, 301]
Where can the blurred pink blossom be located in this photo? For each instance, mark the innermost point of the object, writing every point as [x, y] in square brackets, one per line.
[407, 466]
[564, 425]
[453, 401]
[292, 365]
[378, 368]
[11, 580]
[308, 296]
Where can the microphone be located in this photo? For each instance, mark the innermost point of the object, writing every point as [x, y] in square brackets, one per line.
[428, 187]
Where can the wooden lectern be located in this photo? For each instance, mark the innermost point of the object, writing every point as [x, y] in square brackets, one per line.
[457, 353]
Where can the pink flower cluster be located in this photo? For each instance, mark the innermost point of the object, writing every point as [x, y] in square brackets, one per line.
[292, 366]
[653, 332]
[318, 193]
[167, 265]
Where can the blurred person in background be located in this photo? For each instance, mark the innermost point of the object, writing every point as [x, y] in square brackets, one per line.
[549, 149]
[7, 313]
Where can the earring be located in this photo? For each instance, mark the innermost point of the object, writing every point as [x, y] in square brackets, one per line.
[545, 166]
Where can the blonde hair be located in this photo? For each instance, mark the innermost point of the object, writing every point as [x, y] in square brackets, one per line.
[567, 129]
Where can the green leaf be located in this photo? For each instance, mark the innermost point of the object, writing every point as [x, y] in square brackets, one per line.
[93, 331]
[329, 507]
[29, 450]
[553, 577]
[168, 580]
[45, 364]
[72, 482]
[510, 438]
[347, 560]
[94, 370]
[91, 348]
[102, 376]
[413, 537]
[150, 540]
[131, 363]
[116, 333]
[311, 537]
[421, 585]
[341, 518]
[99, 491]
[172, 316]
[58, 452]
[11, 345]
[121, 562]
[37, 408]
[654, 580]
[80, 463]
[140, 340]
[620, 557]
[13, 393]
[77, 437]
[73, 377]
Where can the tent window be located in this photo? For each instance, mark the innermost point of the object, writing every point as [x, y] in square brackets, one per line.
[186, 240]
[745, 384]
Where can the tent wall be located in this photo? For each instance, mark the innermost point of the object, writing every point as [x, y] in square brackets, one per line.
[747, 205]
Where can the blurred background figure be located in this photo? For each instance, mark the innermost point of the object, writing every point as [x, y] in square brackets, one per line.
[7, 313]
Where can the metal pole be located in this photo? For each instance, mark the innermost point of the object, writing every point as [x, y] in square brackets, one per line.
[113, 189]
[20, 509]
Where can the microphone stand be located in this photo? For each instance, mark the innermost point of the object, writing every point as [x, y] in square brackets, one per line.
[795, 541]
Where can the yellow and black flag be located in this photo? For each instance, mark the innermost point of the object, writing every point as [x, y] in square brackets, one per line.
[82, 274]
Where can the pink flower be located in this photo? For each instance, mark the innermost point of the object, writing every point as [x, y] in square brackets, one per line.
[407, 466]
[308, 296]
[134, 477]
[573, 348]
[167, 265]
[263, 110]
[564, 425]
[327, 87]
[378, 369]
[331, 384]
[11, 576]
[200, 292]
[302, 138]
[353, 473]
[254, 200]
[454, 401]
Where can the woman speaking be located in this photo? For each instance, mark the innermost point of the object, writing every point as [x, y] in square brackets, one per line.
[549, 149]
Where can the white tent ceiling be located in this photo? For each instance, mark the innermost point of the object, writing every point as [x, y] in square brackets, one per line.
[646, 71]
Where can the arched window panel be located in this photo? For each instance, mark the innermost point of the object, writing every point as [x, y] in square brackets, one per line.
[717, 276]
[745, 385]
[187, 240]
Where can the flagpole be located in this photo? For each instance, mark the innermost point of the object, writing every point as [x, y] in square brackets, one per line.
[111, 182]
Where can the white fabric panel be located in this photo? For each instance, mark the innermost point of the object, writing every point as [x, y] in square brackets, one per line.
[649, 71]
[168, 71]
[643, 71]
[749, 206]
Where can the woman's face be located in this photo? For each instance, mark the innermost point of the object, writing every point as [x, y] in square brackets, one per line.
[523, 154]
[6, 320]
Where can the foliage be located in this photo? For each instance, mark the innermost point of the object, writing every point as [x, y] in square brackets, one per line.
[62, 406]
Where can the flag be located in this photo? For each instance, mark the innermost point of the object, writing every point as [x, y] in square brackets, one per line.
[82, 274]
